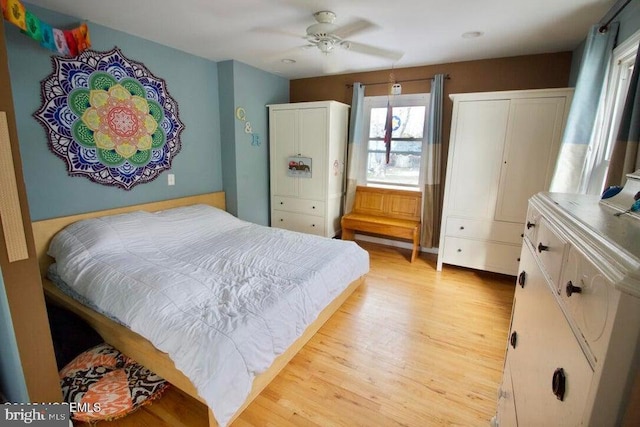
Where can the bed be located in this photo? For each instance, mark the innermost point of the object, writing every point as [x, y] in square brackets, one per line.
[110, 315]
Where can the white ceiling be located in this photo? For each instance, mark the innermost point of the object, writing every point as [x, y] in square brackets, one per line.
[263, 32]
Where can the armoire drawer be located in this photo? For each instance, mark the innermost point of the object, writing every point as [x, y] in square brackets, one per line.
[498, 231]
[305, 206]
[481, 254]
[550, 249]
[298, 222]
[589, 299]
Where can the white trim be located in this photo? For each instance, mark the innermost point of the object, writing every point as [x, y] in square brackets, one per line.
[609, 114]
[509, 94]
[627, 48]
[409, 100]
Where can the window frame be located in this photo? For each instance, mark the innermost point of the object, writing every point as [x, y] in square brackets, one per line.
[409, 100]
[610, 112]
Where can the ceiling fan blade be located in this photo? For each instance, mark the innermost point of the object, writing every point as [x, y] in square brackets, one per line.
[356, 27]
[393, 55]
[278, 32]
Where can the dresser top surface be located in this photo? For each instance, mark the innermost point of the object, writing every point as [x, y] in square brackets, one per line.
[616, 238]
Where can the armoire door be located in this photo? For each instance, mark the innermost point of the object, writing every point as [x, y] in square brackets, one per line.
[312, 142]
[479, 135]
[530, 152]
[283, 136]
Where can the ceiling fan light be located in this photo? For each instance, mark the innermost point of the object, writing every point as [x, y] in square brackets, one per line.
[326, 45]
[325, 16]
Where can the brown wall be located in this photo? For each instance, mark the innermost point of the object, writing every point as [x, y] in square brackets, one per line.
[520, 72]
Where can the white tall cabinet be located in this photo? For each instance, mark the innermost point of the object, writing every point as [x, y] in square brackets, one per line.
[502, 151]
[310, 200]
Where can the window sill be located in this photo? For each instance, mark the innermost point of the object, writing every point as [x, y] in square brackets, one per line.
[391, 186]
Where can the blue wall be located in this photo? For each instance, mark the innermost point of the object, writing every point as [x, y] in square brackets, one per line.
[12, 381]
[192, 81]
[246, 166]
[629, 20]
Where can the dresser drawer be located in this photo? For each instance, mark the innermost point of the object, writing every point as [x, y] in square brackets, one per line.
[589, 299]
[483, 255]
[298, 222]
[499, 231]
[305, 206]
[550, 249]
[531, 225]
[543, 350]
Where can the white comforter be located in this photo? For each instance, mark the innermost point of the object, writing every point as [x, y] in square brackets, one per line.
[221, 296]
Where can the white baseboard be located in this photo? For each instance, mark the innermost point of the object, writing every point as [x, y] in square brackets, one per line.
[394, 243]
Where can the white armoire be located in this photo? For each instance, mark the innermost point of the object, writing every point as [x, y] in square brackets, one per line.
[307, 147]
[502, 150]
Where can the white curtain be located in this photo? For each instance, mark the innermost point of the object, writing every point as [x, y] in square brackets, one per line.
[572, 172]
[432, 162]
[355, 153]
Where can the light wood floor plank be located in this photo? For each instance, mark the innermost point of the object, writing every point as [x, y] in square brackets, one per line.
[411, 347]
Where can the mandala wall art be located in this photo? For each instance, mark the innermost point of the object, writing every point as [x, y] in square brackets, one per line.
[109, 118]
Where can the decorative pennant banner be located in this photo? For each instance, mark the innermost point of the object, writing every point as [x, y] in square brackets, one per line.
[109, 118]
[64, 42]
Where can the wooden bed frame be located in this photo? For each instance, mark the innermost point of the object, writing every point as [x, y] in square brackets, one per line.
[134, 345]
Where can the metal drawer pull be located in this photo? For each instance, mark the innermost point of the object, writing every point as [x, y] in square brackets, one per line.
[281, 219]
[558, 383]
[282, 203]
[542, 247]
[461, 227]
[513, 340]
[313, 207]
[573, 289]
[530, 224]
[522, 278]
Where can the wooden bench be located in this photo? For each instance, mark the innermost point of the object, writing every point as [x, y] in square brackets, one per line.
[387, 212]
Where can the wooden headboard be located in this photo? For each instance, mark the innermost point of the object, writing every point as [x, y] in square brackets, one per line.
[43, 231]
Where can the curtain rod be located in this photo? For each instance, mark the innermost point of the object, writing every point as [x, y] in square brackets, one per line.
[446, 77]
[604, 27]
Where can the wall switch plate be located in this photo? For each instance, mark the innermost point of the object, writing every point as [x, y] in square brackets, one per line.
[171, 179]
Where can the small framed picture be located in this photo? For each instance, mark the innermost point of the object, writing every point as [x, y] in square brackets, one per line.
[299, 166]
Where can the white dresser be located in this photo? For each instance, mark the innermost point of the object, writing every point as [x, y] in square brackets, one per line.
[307, 146]
[572, 355]
[502, 150]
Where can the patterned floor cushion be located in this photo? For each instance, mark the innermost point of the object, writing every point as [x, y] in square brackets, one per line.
[107, 385]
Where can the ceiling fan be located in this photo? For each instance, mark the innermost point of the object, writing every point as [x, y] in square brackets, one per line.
[327, 36]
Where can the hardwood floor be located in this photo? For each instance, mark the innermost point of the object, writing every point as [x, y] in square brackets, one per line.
[411, 347]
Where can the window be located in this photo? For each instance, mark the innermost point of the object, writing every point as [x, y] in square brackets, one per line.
[409, 124]
[610, 114]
